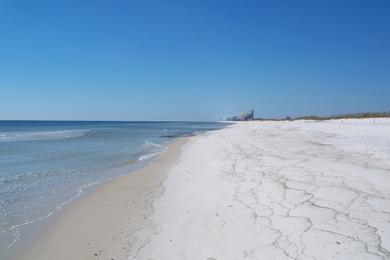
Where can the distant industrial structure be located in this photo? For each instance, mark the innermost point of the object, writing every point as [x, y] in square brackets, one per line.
[250, 115]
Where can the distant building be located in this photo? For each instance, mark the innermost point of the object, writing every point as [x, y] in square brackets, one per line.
[250, 115]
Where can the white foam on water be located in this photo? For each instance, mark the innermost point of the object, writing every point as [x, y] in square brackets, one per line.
[150, 144]
[15, 229]
[45, 135]
[150, 150]
[148, 156]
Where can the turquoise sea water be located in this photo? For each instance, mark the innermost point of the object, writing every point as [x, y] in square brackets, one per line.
[44, 165]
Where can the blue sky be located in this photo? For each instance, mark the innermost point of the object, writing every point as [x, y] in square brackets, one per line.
[192, 60]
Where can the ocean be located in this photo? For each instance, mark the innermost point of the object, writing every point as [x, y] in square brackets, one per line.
[44, 165]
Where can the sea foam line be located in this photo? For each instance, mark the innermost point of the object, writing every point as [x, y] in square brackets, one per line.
[45, 135]
[15, 229]
[148, 156]
[148, 143]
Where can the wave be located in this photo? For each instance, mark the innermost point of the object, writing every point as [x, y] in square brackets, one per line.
[23, 177]
[148, 156]
[40, 136]
[148, 144]
[15, 229]
[150, 150]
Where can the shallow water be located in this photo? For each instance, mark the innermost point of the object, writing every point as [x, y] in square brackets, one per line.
[46, 164]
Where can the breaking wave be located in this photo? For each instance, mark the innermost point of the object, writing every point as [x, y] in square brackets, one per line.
[150, 150]
[148, 144]
[39, 136]
[148, 156]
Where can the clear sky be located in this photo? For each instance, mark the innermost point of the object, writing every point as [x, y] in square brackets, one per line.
[192, 60]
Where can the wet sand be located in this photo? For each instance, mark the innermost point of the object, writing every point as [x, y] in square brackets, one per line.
[99, 225]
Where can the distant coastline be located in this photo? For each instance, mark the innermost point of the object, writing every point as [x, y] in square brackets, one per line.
[361, 115]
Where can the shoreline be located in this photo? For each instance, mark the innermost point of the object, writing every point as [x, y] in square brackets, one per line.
[253, 190]
[99, 224]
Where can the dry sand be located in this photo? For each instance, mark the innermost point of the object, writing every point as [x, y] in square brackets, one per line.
[99, 225]
[276, 190]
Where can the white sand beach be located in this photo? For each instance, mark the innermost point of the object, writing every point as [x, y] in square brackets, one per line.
[99, 225]
[253, 190]
[276, 190]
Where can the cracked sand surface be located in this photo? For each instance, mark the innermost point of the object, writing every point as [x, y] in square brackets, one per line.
[276, 190]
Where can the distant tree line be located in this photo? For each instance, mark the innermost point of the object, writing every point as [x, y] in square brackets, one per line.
[346, 116]
[341, 116]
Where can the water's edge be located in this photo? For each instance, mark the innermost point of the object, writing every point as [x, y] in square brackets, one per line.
[35, 230]
[45, 165]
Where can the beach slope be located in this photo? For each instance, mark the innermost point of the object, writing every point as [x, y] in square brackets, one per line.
[99, 225]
